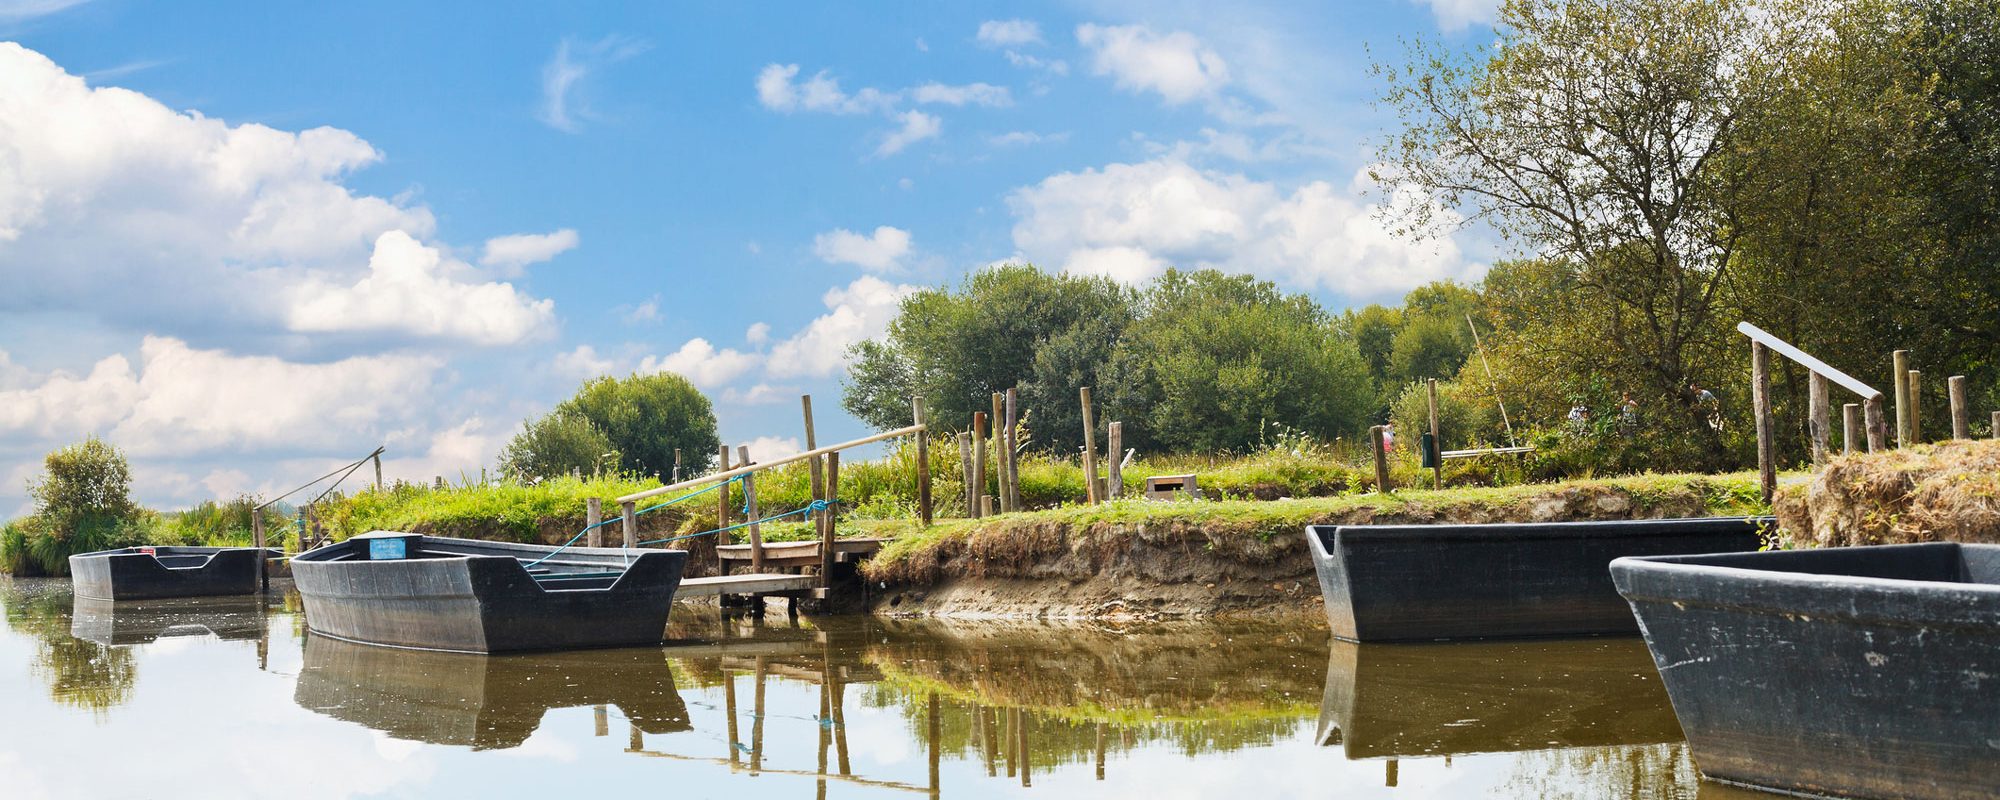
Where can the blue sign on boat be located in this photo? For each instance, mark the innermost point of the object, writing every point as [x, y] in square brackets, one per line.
[388, 549]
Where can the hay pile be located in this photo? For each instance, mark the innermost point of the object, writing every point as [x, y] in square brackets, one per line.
[1946, 492]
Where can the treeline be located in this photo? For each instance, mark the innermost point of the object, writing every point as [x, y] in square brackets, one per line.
[1826, 169]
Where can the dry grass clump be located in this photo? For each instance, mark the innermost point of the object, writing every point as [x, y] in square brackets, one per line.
[1946, 492]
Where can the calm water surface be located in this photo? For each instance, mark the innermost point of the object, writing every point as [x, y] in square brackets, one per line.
[228, 698]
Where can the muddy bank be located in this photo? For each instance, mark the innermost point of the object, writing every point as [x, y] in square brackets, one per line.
[1934, 493]
[1136, 559]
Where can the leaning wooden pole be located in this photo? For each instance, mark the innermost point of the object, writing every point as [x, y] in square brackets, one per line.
[1760, 399]
[1090, 493]
[923, 463]
[1375, 440]
[1961, 417]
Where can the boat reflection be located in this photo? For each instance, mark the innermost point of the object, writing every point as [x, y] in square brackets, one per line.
[130, 622]
[483, 702]
[1406, 700]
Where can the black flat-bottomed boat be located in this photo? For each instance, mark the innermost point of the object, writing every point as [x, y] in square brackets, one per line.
[1387, 583]
[156, 573]
[472, 596]
[1867, 672]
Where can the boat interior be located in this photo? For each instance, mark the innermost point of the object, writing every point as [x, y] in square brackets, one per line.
[575, 569]
[1937, 562]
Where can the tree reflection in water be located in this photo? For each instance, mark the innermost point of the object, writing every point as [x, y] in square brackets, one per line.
[80, 673]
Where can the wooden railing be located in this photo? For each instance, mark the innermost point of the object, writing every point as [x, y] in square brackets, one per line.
[1853, 417]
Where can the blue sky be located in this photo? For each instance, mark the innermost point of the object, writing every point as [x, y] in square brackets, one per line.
[243, 242]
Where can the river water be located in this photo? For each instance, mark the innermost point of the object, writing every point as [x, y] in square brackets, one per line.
[230, 697]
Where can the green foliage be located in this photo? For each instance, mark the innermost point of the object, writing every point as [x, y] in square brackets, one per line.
[1429, 347]
[635, 423]
[211, 524]
[82, 503]
[558, 444]
[1466, 414]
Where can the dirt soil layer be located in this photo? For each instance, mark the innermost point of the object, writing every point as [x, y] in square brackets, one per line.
[1135, 559]
[1947, 492]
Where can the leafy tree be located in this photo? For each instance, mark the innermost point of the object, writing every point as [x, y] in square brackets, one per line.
[558, 444]
[1429, 347]
[83, 502]
[1374, 330]
[641, 420]
[1213, 358]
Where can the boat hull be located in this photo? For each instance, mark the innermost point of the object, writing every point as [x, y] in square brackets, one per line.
[167, 572]
[1853, 672]
[486, 603]
[1388, 583]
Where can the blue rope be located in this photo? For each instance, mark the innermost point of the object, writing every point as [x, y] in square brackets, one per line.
[816, 505]
[589, 528]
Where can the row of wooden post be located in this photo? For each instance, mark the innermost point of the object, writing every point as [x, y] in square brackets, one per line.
[973, 463]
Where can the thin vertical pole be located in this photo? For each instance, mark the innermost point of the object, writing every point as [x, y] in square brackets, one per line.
[923, 463]
[1100, 751]
[932, 737]
[840, 725]
[979, 456]
[1021, 730]
[832, 513]
[630, 513]
[1878, 425]
[593, 513]
[965, 473]
[1090, 492]
[257, 541]
[1013, 457]
[1760, 399]
[1850, 428]
[750, 511]
[1916, 407]
[757, 719]
[722, 501]
[812, 443]
[1961, 421]
[994, 423]
[1994, 432]
[1899, 368]
[677, 465]
[1115, 471]
[1381, 459]
[729, 703]
[1817, 409]
[1489, 379]
[378, 470]
[1437, 439]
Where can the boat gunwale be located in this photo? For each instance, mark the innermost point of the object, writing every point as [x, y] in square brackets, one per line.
[325, 558]
[1684, 580]
[1521, 531]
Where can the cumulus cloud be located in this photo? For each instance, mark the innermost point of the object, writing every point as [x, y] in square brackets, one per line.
[1024, 138]
[511, 253]
[880, 251]
[702, 364]
[771, 448]
[1009, 32]
[1176, 65]
[1131, 221]
[186, 400]
[981, 94]
[1457, 15]
[582, 363]
[861, 310]
[573, 61]
[758, 333]
[917, 126]
[24, 9]
[410, 290]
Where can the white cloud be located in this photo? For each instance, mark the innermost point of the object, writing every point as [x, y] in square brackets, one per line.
[583, 363]
[1054, 66]
[571, 63]
[1131, 221]
[1457, 15]
[771, 448]
[861, 310]
[1176, 65]
[460, 450]
[758, 333]
[410, 290]
[24, 9]
[760, 394]
[648, 311]
[1009, 32]
[777, 91]
[515, 251]
[880, 251]
[702, 364]
[917, 126]
[982, 94]
[183, 400]
[1024, 138]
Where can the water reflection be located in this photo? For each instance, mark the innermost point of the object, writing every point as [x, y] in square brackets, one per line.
[846, 706]
[1404, 700]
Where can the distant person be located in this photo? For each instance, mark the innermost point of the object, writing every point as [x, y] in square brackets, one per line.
[1579, 419]
[1389, 437]
[1711, 407]
[1628, 415]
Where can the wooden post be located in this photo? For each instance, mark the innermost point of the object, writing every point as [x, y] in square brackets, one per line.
[923, 464]
[257, 541]
[1961, 421]
[628, 511]
[1877, 422]
[1899, 368]
[729, 706]
[1760, 400]
[1916, 407]
[1090, 492]
[965, 472]
[933, 737]
[1994, 432]
[999, 454]
[593, 513]
[1437, 439]
[378, 470]
[1013, 461]
[1381, 459]
[1115, 477]
[750, 512]
[757, 717]
[978, 457]
[1817, 409]
[677, 465]
[812, 443]
[986, 505]
[722, 502]
[832, 513]
[1850, 428]
[601, 717]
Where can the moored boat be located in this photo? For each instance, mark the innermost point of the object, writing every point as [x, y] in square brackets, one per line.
[1854, 672]
[467, 595]
[155, 573]
[1386, 583]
